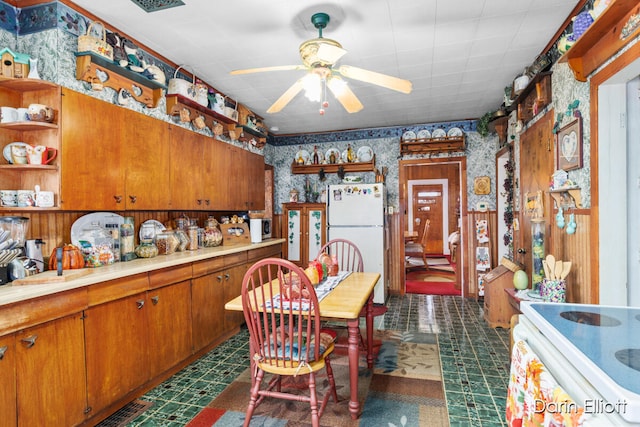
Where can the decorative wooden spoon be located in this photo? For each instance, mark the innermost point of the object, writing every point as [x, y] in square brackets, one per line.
[551, 262]
[558, 270]
[566, 268]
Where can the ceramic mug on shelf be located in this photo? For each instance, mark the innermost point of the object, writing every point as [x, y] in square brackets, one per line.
[41, 155]
[8, 114]
[40, 113]
[44, 199]
[19, 154]
[26, 198]
[9, 198]
[23, 114]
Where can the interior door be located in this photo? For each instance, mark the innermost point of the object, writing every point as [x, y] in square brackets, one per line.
[428, 204]
[536, 168]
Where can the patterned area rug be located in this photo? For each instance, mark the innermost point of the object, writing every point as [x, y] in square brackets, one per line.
[404, 389]
[431, 283]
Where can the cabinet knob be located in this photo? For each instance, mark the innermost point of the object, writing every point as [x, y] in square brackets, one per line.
[155, 300]
[133, 199]
[522, 251]
[3, 350]
[29, 341]
[118, 199]
[226, 277]
[207, 202]
[140, 303]
[219, 277]
[199, 202]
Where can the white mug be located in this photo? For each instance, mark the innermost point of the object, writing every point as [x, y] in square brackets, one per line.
[9, 198]
[44, 199]
[9, 114]
[22, 114]
[26, 198]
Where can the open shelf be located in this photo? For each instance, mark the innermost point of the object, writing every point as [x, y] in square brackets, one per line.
[369, 166]
[89, 65]
[23, 85]
[534, 97]
[602, 39]
[258, 137]
[431, 145]
[29, 167]
[568, 197]
[28, 125]
[175, 103]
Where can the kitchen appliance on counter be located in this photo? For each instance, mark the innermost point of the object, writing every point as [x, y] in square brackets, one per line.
[266, 228]
[356, 212]
[593, 352]
[14, 264]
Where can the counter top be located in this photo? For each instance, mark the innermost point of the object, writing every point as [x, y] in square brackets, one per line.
[10, 294]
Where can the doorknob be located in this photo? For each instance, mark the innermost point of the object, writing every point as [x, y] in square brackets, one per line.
[522, 251]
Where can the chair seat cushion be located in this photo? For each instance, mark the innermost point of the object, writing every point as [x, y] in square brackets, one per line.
[292, 352]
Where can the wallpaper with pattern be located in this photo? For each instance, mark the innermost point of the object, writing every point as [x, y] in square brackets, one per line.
[49, 33]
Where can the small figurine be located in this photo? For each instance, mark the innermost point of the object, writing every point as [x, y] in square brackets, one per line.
[351, 157]
[316, 157]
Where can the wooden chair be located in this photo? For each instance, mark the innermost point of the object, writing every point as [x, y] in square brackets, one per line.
[350, 259]
[418, 249]
[285, 342]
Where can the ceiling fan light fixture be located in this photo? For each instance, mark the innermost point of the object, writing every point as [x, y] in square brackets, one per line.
[312, 84]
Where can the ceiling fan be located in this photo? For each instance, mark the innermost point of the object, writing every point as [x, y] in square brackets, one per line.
[319, 57]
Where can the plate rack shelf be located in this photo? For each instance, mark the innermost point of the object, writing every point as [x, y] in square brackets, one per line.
[433, 145]
[89, 67]
[369, 166]
[248, 134]
[175, 103]
[534, 97]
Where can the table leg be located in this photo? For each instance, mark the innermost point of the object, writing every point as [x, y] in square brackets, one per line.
[369, 320]
[353, 326]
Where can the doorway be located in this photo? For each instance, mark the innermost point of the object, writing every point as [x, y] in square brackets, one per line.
[437, 171]
[429, 199]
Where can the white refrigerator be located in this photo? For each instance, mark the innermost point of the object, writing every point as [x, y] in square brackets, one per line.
[356, 212]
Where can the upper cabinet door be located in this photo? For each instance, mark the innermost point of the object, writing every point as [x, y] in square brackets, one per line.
[91, 174]
[147, 161]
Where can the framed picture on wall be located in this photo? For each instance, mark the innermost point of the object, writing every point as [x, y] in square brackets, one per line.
[569, 146]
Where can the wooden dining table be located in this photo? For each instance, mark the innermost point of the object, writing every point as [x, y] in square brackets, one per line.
[345, 302]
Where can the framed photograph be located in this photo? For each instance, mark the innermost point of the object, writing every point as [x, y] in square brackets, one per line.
[569, 146]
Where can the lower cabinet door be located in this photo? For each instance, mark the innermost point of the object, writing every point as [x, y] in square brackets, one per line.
[51, 376]
[117, 349]
[8, 381]
[207, 296]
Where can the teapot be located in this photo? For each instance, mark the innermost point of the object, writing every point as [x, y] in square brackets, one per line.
[41, 155]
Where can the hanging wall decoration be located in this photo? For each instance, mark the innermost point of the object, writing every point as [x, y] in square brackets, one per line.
[569, 146]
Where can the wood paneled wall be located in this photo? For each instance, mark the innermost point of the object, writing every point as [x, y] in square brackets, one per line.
[471, 272]
[575, 248]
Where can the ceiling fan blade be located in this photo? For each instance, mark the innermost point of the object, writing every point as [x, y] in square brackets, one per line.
[379, 79]
[344, 94]
[329, 53]
[263, 69]
[286, 97]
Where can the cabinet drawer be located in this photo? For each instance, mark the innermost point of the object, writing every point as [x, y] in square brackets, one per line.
[39, 310]
[200, 268]
[167, 276]
[119, 288]
[235, 259]
[267, 252]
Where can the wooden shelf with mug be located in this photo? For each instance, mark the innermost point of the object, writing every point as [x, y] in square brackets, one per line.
[369, 166]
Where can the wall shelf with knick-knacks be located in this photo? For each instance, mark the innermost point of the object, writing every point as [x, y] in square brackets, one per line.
[100, 72]
[177, 104]
[369, 166]
[432, 145]
[567, 197]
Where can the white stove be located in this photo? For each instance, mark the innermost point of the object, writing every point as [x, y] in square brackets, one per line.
[593, 351]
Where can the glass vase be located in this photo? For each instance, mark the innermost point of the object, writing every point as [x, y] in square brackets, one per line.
[537, 252]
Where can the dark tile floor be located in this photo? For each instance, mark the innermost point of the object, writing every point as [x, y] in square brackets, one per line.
[475, 364]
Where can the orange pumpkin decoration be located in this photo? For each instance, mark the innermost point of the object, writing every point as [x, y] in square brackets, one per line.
[312, 274]
[71, 258]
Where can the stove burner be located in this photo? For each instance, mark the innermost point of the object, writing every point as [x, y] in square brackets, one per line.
[588, 318]
[629, 357]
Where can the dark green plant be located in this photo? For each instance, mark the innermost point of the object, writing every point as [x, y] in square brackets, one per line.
[482, 125]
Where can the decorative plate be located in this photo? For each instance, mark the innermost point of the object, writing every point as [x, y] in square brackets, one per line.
[336, 155]
[454, 132]
[6, 152]
[345, 158]
[101, 218]
[408, 135]
[365, 154]
[424, 134]
[304, 155]
[482, 185]
[438, 133]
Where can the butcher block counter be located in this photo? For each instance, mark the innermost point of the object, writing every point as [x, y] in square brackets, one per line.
[85, 346]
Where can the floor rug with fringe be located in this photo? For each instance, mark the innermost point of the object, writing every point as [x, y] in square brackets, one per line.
[404, 389]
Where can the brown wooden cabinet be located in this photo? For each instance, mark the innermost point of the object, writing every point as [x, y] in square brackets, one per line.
[305, 225]
[497, 309]
[112, 158]
[8, 380]
[50, 376]
[206, 294]
[20, 93]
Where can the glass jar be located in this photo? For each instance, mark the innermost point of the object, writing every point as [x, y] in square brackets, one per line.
[537, 252]
[212, 235]
[96, 245]
[183, 240]
[147, 249]
[166, 242]
[192, 233]
[147, 232]
[127, 240]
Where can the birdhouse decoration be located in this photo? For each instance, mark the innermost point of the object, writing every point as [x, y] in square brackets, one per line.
[14, 65]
